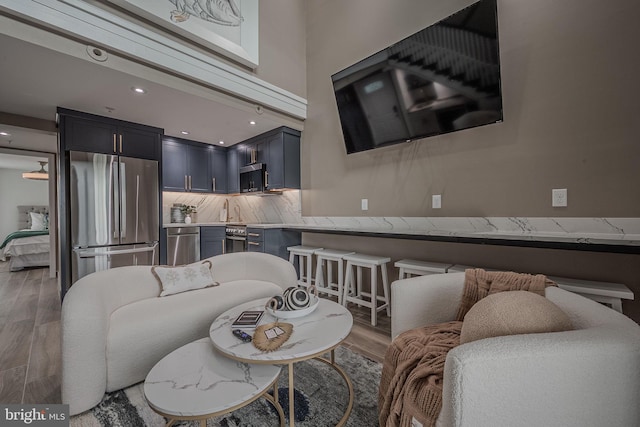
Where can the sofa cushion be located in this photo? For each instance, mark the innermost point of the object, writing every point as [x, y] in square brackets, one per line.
[142, 333]
[512, 313]
[184, 278]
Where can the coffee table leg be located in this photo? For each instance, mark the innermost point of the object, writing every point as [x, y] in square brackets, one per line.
[292, 412]
[203, 423]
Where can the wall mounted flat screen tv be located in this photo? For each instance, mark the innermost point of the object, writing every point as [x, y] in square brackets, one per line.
[441, 79]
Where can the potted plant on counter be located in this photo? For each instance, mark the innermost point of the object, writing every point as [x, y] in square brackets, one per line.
[188, 210]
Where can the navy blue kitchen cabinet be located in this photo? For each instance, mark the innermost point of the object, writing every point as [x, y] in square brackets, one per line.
[212, 241]
[94, 134]
[274, 241]
[283, 160]
[185, 166]
[233, 170]
[218, 170]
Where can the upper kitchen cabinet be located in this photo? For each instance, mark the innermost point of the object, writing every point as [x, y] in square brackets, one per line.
[282, 157]
[218, 170]
[186, 166]
[278, 149]
[233, 169]
[95, 134]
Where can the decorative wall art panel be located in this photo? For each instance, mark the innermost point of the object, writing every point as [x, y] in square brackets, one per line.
[229, 27]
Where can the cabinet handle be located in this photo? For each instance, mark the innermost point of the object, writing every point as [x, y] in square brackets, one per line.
[115, 147]
[213, 182]
[120, 144]
[254, 243]
[186, 185]
[253, 235]
[224, 247]
[190, 186]
[266, 179]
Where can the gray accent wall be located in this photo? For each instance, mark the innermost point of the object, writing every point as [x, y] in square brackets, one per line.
[570, 73]
[570, 87]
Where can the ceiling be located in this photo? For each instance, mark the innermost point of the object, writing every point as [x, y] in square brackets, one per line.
[36, 80]
[23, 163]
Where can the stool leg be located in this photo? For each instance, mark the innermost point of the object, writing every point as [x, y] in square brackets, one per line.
[340, 282]
[330, 269]
[292, 258]
[319, 278]
[301, 268]
[401, 273]
[616, 304]
[359, 281]
[385, 287]
[374, 295]
[347, 283]
[309, 270]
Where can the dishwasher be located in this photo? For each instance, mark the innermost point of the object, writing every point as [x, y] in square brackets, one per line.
[183, 245]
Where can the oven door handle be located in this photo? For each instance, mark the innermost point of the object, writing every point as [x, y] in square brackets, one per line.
[236, 238]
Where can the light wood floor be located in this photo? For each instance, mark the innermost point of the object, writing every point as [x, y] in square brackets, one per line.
[29, 336]
[30, 357]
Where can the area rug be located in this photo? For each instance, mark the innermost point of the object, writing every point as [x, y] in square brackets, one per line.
[321, 399]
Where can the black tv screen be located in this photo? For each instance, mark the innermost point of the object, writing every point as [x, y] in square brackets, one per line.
[441, 79]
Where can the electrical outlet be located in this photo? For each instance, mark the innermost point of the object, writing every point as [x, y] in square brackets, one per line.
[559, 198]
[436, 201]
[365, 204]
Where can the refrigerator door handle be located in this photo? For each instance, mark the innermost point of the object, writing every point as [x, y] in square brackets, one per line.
[88, 253]
[115, 204]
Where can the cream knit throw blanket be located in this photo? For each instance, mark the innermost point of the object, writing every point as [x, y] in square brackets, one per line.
[412, 374]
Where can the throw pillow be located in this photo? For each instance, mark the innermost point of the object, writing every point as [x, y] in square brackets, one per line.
[512, 313]
[37, 221]
[184, 278]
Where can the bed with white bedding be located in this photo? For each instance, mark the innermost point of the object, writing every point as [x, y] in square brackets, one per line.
[30, 245]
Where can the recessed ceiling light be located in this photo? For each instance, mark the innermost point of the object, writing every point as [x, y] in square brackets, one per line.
[139, 90]
[184, 132]
[5, 134]
[252, 123]
[221, 142]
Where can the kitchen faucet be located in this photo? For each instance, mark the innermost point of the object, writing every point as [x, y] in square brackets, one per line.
[237, 210]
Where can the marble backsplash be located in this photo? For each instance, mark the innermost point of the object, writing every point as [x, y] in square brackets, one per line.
[268, 209]
[286, 209]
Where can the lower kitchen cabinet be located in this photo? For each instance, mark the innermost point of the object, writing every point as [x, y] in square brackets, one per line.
[274, 241]
[212, 241]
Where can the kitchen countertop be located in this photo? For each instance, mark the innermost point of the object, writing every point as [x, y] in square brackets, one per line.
[531, 235]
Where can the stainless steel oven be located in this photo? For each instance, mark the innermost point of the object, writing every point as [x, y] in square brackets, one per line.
[236, 236]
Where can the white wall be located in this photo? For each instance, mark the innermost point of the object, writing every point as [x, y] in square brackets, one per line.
[16, 191]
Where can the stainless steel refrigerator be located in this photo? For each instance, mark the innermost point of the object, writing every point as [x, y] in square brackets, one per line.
[114, 212]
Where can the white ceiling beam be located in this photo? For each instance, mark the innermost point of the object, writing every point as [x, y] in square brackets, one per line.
[97, 26]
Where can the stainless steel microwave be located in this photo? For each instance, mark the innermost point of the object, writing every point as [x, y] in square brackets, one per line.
[252, 178]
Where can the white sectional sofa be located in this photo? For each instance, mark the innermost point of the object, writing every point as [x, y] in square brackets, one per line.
[115, 327]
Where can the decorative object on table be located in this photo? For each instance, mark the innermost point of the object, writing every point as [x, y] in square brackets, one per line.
[294, 302]
[187, 210]
[248, 319]
[296, 298]
[271, 336]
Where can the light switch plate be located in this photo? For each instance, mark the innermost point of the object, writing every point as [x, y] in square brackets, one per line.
[365, 204]
[559, 198]
[436, 201]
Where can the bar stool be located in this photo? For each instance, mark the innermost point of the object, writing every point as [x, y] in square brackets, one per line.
[304, 254]
[328, 257]
[410, 267]
[360, 261]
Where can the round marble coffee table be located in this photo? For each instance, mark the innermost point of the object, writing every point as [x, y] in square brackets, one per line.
[313, 335]
[195, 382]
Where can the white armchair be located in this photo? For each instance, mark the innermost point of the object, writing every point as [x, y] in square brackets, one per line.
[589, 376]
